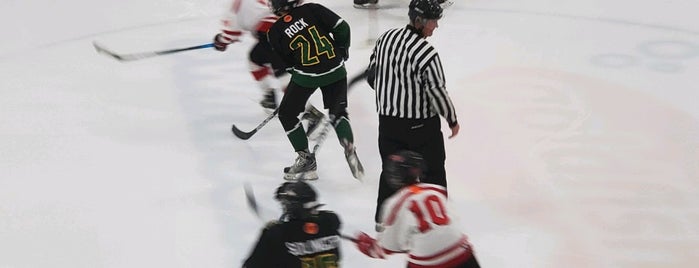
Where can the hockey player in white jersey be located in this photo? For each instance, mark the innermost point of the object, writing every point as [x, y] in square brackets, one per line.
[254, 16]
[416, 221]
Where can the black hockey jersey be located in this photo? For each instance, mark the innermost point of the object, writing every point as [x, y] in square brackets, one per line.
[313, 41]
[311, 243]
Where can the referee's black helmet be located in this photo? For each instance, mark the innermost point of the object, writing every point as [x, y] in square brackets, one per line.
[426, 9]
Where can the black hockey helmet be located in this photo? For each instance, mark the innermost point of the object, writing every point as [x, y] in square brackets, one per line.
[298, 199]
[426, 9]
[404, 168]
[280, 6]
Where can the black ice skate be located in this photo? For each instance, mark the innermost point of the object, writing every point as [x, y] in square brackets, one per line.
[269, 100]
[304, 168]
[314, 119]
[366, 4]
[353, 160]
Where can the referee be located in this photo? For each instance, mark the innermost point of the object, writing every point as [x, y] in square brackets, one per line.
[406, 73]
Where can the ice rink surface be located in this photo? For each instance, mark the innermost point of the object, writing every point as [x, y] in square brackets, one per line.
[579, 143]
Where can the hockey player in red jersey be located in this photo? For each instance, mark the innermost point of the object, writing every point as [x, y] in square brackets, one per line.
[416, 221]
[255, 17]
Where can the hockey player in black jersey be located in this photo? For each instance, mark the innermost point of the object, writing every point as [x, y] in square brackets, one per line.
[303, 237]
[314, 42]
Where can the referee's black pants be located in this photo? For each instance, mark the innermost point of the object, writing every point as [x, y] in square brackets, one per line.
[423, 136]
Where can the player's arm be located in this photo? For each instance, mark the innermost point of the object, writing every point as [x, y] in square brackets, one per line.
[433, 78]
[275, 42]
[230, 31]
[260, 255]
[371, 70]
[339, 28]
[398, 226]
[341, 34]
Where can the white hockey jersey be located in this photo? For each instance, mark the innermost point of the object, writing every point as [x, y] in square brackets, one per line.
[416, 222]
[248, 15]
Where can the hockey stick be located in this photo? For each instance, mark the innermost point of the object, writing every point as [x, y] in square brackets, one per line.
[143, 55]
[246, 135]
[357, 78]
[252, 204]
[323, 133]
[326, 128]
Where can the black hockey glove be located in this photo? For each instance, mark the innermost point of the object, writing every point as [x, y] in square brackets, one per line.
[343, 52]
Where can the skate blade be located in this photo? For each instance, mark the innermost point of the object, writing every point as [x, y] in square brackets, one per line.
[447, 4]
[304, 176]
[367, 6]
[355, 166]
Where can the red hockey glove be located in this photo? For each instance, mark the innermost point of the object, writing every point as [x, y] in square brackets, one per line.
[222, 40]
[367, 245]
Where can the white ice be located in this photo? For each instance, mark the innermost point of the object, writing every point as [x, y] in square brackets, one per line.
[579, 142]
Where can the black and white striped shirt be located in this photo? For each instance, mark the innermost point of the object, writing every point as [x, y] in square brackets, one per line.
[406, 72]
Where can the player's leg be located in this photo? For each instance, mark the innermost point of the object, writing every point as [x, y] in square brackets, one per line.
[291, 106]
[391, 140]
[429, 142]
[335, 100]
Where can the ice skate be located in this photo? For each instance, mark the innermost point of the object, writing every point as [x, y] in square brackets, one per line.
[304, 168]
[353, 160]
[314, 119]
[269, 100]
[445, 3]
[366, 4]
[378, 227]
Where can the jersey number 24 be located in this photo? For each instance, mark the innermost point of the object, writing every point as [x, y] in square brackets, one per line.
[321, 43]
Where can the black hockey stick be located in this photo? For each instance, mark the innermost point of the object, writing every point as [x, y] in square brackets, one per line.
[143, 55]
[246, 135]
[357, 78]
[252, 204]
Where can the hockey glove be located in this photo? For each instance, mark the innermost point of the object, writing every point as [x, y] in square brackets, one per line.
[222, 40]
[343, 52]
[367, 245]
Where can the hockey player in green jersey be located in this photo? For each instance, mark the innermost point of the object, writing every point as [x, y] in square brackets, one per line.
[314, 42]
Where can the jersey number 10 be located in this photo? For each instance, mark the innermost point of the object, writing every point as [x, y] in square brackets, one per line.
[435, 211]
